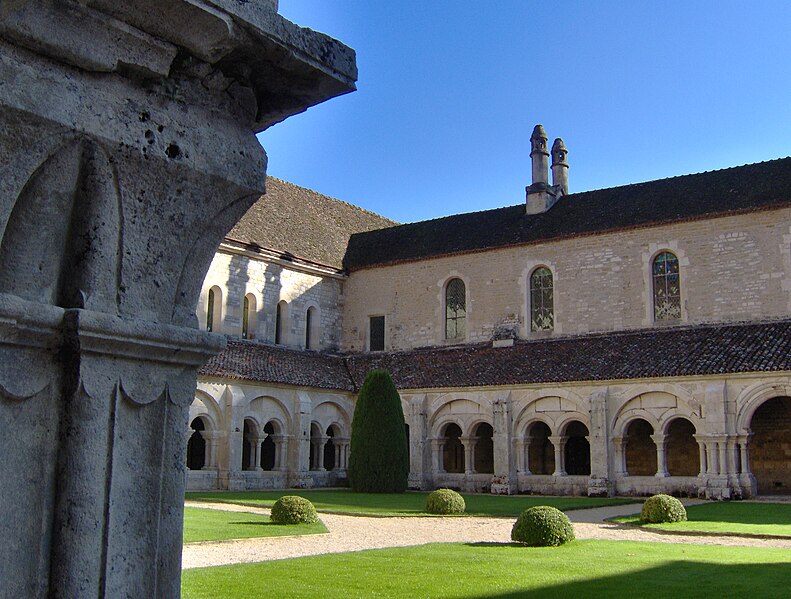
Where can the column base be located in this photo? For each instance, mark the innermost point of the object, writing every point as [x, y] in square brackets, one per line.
[300, 480]
[600, 487]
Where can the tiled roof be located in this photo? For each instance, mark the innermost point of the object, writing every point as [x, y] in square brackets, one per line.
[252, 361]
[667, 352]
[715, 193]
[303, 223]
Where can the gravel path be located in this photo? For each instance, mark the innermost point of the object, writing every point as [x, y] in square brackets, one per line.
[355, 533]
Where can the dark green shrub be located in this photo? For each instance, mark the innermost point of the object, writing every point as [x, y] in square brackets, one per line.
[542, 526]
[663, 508]
[292, 509]
[378, 458]
[445, 501]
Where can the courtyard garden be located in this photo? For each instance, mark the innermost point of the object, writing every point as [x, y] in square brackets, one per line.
[592, 566]
[411, 503]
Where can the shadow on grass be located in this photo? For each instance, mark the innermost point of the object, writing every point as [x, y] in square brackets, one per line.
[675, 579]
[741, 513]
[492, 544]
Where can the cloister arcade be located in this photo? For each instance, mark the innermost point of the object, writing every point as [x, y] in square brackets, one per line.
[551, 442]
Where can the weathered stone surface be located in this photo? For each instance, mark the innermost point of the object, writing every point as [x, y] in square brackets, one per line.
[127, 151]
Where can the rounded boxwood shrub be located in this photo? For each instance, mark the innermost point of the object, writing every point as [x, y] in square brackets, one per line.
[445, 501]
[542, 526]
[663, 508]
[292, 509]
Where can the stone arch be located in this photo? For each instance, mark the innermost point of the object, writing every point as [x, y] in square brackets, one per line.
[751, 398]
[682, 454]
[328, 413]
[770, 454]
[250, 435]
[483, 448]
[639, 448]
[268, 446]
[453, 450]
[265, 408]
[464, 411]
[208, 408]
[196, 444]
[540, 450]
[552, 406]
[577, 449]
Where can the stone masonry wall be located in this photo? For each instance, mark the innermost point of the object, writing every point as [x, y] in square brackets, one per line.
[270, 283]
[732, 268]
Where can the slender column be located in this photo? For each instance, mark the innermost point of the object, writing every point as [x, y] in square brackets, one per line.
[466, 442]
[711, 458]
[337, 448]
[702, 450]
[211, 438]
[745, 455]
[620, 457]
[437, 448]
[661, 468]
[280, 446]
[257, 463]
[521, 463]
[558, 443]
[723, 455]
[320, 451]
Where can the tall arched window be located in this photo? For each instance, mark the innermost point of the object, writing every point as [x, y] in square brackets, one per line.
[455, 309]
[248, 316]
[542, 300]
[312, 329]
[281, 317]
[214, 309]
[667, 287]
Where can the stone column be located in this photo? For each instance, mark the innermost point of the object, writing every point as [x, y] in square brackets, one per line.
[661, 467]
[702, 457]
[558, 444]
[300, 477]
[521, 462]
[257, 460]
[212, 438]
[438, 448]
[127, 152]
[619, 457]
[601, 480]
[280, 449]
[467, 442]
[505, 462]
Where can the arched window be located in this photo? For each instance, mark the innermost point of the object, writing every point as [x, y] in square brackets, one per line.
[214, 309]
[196, 445]
[312, 328]
[248, 316]
[542, 300]
[281, 318]
[455, 309]
[483, 456]
[667, 287]
[268, 448]
[453, 450]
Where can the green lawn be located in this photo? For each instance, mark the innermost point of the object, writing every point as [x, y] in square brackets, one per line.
[729, 517]
[580, 569]
[215, 525]
[402, 504]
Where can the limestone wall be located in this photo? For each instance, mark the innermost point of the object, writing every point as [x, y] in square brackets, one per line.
[270, 282]
[732, 268]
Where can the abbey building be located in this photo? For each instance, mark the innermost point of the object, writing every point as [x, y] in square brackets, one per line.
[630, 340]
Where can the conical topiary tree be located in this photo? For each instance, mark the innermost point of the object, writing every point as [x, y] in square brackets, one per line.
[379, 457]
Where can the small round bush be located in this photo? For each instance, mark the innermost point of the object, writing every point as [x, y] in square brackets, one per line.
[542, 526]
[445, 501]
[663, 508]
[292, 509]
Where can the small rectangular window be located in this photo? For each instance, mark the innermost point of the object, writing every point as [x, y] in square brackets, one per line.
[377, 333]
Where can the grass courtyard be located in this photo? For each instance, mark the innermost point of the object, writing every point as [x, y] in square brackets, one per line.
[215, 525]
[728, 517]
[412, 503]
[579, 569]
[583, 568]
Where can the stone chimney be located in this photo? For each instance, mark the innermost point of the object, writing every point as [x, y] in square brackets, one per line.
[560, 168]
[540, 195]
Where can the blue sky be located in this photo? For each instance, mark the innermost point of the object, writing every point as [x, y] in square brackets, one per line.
[449, 91]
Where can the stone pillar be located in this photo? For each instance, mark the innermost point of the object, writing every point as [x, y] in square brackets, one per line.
[127, 152]
[661, 467]
[559, 444]
[212, 438]
[600, 483]
[420, 452]
[748, 483]
[526, 454]
[257, 457]
[521, 462]
[300, 478]
[619, 457]
[467, 443]
[702, 458]
[505, 462]
[438, 448]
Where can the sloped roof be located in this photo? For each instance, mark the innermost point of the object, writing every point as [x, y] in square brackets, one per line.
[252, 361]
[647, 353]
[714, 193]
[303, 223]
